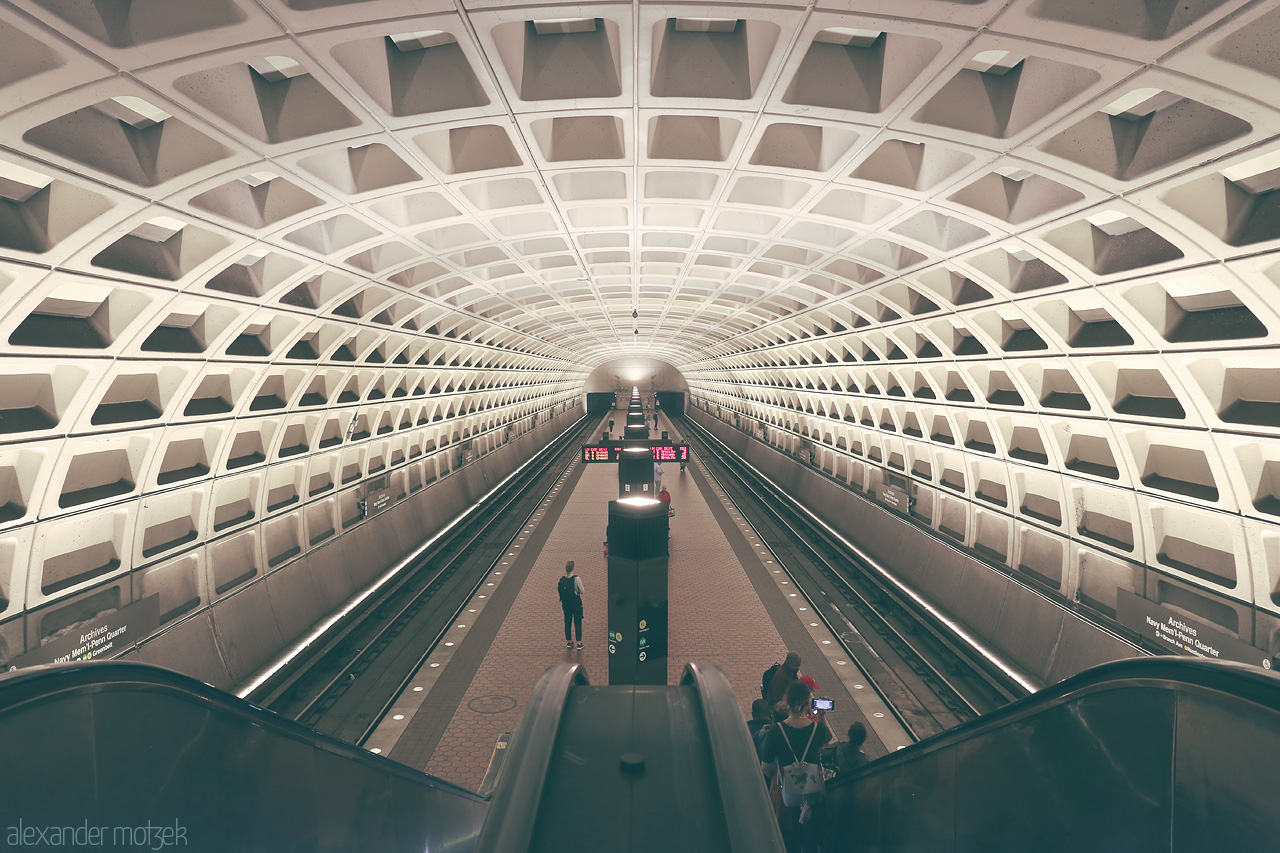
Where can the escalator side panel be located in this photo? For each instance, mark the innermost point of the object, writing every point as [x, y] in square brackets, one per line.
[47, 738]
[163, 759]
[1095, 773]
[1225, 776]
[430, 822]
[917, 809]
[128, 755]
[1092, 774]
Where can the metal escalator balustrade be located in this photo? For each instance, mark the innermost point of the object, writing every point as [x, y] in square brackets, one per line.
[132, 755]
[1148, 754]
[120, 756]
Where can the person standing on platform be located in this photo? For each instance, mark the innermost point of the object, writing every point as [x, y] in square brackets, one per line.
[570, 589]
[782, 678]
[657, 477]
[610, 426]
[665, 497]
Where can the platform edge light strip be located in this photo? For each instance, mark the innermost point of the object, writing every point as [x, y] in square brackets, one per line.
[293, 651]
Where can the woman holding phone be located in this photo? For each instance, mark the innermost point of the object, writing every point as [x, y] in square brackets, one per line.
[794, 742]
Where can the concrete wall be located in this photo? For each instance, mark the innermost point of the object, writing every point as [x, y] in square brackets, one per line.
[1037, 634]
[235, 634]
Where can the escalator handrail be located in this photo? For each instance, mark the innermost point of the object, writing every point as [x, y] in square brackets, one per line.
[50, 682]
[1242, 682]
[748, 814]
[517, 799]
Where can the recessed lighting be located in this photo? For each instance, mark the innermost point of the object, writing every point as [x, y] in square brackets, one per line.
[398, 717]
[417, 690]
[376, 751]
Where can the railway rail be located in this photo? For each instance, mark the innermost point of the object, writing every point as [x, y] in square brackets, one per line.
[349, 678]
[928, 675]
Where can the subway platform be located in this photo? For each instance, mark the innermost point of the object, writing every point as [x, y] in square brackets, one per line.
[730, 605]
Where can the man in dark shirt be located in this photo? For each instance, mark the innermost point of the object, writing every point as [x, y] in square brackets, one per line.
[571, 591]
[782, 678]
[760, 717]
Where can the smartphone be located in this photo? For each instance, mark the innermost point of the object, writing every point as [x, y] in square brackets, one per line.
[821, 704]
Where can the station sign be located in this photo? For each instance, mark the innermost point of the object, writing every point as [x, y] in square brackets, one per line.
[894, 497]
[103, 636]
[1183, 634]
[378, 496]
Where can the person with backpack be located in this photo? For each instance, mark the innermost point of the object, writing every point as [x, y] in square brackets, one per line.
[794, 748]
[776, 679]
[570, 589]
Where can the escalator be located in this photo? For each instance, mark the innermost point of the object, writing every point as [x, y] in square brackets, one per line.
[1153, 754]
[1147, 754]
[124, 756]
[631, 768]
[127, 756]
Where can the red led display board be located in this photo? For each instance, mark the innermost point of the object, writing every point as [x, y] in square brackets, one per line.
[613, 452]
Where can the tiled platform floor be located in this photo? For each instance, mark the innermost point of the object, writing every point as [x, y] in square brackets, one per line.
[716, 615]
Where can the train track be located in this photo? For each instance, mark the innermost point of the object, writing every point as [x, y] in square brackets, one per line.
[349, 679]
[928, 676]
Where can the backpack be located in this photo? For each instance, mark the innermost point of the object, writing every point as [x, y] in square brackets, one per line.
[800, 778]
[568, 595]
[767, 680]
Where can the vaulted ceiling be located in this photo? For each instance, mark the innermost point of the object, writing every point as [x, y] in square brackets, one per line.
[239, 233]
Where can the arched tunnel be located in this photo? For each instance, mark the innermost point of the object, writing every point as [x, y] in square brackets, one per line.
[1016, 259]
